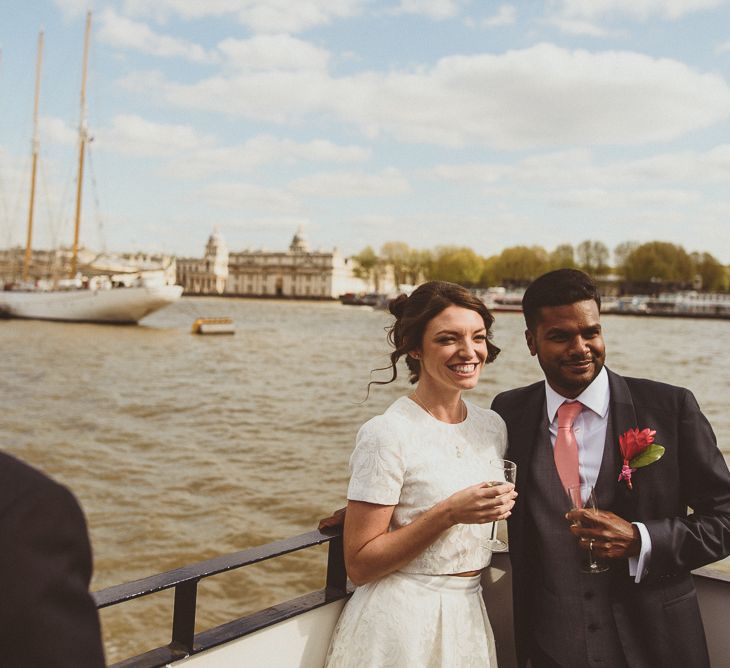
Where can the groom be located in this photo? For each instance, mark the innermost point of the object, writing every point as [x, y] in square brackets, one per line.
[643, 611]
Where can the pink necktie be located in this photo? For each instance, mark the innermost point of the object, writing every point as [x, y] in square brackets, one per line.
[566, 447]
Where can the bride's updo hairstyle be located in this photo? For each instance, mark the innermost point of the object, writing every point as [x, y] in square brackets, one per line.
[413, 313]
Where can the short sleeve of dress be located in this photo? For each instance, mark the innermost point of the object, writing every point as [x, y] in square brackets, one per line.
[376, 465]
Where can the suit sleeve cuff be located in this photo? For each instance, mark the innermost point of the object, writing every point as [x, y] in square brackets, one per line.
[638, 566]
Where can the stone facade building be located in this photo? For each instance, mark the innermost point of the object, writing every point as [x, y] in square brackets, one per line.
[297, 272]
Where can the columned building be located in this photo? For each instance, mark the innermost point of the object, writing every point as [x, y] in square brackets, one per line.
[297, 272]
[208, 275]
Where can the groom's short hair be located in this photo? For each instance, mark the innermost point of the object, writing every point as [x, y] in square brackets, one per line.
[557, 288]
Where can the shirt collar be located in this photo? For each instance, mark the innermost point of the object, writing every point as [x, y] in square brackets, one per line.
[595, 396]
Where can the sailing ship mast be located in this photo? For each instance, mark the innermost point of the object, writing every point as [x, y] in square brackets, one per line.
[34, 168]
[83, 139]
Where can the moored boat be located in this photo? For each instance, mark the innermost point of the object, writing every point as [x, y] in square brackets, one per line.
[362, 299]
[499, 300]
[122, 305]
[78, 298]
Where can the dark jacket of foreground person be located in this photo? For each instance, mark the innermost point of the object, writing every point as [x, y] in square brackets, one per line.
[654, 623]
[47, 615]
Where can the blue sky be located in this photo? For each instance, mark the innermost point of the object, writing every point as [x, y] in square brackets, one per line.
[465, 122]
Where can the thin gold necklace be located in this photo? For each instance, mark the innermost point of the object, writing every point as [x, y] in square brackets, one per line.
[462, 405]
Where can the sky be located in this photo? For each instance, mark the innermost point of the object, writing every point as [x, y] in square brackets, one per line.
[433, 122]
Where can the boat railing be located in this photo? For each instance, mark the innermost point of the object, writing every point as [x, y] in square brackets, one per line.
[184, 641]
[712, 583]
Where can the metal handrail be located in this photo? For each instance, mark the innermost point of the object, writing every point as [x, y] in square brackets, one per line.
[185, 581]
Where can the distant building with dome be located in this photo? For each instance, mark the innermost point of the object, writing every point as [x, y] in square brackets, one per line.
[295, 273]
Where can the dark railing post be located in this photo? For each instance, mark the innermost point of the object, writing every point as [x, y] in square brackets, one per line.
[185, 582]
[336, 574]
[183, 617]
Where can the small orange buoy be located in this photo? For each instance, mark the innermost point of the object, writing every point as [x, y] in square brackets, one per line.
[214, 326]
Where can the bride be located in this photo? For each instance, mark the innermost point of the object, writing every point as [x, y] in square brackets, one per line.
[419, 508]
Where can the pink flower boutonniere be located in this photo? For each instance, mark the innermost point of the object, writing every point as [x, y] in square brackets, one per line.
[638, 449]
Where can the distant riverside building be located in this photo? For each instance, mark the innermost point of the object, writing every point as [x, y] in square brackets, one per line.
[206, 276]
[50, 265]
[297, 272]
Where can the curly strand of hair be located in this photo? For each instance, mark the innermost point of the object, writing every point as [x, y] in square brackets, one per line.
[395, 356]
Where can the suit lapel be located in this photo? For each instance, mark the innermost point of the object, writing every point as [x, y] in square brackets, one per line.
[525, 430]
[524, 437]
[623, 417]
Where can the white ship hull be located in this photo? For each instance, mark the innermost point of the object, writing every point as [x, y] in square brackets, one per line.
[114, 305]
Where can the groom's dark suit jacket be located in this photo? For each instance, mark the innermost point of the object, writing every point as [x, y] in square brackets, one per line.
[47, 616]
[657, 620]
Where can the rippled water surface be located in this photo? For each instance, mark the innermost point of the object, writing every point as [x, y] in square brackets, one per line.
[183, 447]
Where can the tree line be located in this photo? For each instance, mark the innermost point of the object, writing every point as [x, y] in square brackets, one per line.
[643, 267]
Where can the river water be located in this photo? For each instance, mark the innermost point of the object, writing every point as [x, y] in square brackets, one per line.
[184, 447]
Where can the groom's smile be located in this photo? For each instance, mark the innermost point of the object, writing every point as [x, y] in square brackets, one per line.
[568, 343]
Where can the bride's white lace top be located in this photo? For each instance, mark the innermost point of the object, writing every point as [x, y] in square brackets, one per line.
[408, 459]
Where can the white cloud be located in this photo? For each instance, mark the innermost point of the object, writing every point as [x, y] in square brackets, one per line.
[722, 48]
[578, 27]
[72, 9]
[586, 17]
[599, 198]
[121, 32]
[341, 184]
[258, 223]
[268, 16]
[506, 15]
[248, 196]
[263, 150]
[635, 9]
[375, 221]
[468, 172]
[530, 98]
[278, 52]
[56, 131]
[578, 171]
[134, 135]
[433, 9]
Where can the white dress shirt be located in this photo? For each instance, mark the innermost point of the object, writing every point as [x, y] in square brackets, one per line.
[590, 434]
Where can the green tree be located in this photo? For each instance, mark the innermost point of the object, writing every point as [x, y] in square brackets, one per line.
[563, 257]
[418, 266]
[489, 276]
[368, 267]
[457, 265]
[658, 261]
[711, 274]
[621, 254]
[396, 254]
[521, 264]
[593, 257]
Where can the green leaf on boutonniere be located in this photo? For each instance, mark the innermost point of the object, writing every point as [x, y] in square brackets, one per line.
[650, 455]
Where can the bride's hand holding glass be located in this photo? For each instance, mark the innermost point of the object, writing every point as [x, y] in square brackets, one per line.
[481, 503]
[503, 471]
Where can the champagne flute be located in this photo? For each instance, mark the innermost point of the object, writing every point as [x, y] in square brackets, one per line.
[501, 471]
[583, 496]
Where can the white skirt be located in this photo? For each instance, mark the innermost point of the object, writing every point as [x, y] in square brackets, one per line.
[408, 620]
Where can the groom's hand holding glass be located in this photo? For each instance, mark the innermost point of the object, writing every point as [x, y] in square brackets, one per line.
[605, 533]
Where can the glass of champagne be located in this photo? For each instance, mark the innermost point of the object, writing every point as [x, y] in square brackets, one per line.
[500, 472]
[583, 497]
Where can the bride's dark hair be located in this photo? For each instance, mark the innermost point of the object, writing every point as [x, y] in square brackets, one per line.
[412, 315]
